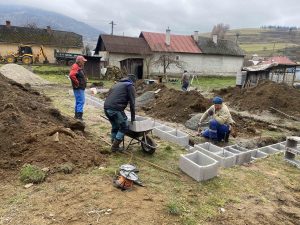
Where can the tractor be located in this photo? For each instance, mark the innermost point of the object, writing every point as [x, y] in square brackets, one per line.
[25, 55]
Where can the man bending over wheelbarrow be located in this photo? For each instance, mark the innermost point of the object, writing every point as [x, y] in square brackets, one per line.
[117, 100]
[220, 125]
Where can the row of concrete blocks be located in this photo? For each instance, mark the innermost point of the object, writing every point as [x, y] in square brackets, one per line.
[203, 160]
[144, 124]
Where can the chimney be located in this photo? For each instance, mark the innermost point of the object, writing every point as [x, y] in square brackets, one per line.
[196, 36]
[215, 38]
[49, 31]
[7, 23]
[168, 36]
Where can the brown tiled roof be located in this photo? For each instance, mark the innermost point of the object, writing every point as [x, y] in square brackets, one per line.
[223, 47]
[26, 35]
[121, 44]
[178, 43]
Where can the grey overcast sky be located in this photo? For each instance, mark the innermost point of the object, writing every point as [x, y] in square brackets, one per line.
[182, 16]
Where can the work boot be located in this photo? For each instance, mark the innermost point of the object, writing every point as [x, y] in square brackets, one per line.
[116, 146]
[226, 138]
[76, 115]
[80, 114]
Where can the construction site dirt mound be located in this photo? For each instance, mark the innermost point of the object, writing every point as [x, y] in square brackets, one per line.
[265, 95]
[32, 131]
[176, 106]
[141, 87]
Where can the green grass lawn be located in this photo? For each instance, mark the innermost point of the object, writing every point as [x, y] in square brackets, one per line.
[207, 83]
[256, 47]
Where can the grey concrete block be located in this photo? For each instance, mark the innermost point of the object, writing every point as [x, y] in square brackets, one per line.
[157, 124]
[97, 104]
[170, 134]
[210, 147]
[268, 150]
[292, 150]
[161, 131]
[225, 159]
[140, 124]
[198, 166]
[278, 146]
[242, 156]
[256, 154]
[179, 137]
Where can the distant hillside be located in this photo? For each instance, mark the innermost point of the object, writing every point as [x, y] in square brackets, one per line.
[267, 42]
[22, 15]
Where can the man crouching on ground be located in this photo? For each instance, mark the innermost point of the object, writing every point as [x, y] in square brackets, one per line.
[220, 124]
[117, 100]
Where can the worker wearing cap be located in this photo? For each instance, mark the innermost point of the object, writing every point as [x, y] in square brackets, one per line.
[185, 81]
[220, 124]
[78, 80]
[117, 100]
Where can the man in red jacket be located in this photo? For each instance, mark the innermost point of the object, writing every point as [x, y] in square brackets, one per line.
[78, 80]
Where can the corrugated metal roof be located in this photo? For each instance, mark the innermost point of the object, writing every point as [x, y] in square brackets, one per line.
[280, 60]
[27, 35]
[178, 43]
[122, 44]
[260, 67]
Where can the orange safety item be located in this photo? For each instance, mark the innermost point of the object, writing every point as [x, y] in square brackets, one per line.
[123, 183]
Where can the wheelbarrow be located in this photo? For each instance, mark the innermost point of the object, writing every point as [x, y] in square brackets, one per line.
[147, 143]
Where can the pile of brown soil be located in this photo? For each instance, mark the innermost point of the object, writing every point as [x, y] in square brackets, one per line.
[176, 106]
[265, 95]
[141, 87]
[27, 125]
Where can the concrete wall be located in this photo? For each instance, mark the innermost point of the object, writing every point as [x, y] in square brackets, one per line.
[6, 49]
[203, 65]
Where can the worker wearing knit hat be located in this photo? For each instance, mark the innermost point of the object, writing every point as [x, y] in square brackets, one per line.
[220, 121]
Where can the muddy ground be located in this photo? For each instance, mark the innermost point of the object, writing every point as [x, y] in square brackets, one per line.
[263, 192]
[28, 122]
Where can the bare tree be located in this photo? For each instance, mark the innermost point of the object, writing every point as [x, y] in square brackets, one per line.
[87, 50]
[168, 59]
[148, 58]
[220, 30]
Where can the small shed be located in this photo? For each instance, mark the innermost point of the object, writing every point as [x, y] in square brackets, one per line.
[279, 69]
[92, 66]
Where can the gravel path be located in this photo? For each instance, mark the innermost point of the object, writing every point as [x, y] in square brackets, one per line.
[21, 75]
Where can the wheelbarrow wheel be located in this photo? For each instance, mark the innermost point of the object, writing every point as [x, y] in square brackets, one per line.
[150, 147]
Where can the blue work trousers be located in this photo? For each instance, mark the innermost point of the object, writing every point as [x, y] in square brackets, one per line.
[79, 100]
[216, 131]
[119, 123]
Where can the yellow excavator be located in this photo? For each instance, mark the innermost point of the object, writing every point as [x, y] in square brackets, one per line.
[25, 55]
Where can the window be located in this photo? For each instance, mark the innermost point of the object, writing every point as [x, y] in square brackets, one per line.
[177, 57]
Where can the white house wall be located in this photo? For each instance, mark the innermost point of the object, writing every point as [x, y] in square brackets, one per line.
[203, 64]
[194, 63]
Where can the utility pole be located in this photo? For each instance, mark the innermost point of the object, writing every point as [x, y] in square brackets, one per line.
[112, 27]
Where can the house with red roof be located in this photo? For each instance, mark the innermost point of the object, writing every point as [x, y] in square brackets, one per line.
[165, 53]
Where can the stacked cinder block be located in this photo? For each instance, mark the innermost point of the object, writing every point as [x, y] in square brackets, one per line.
[198, 166]
[292, 150]
[225, 158]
